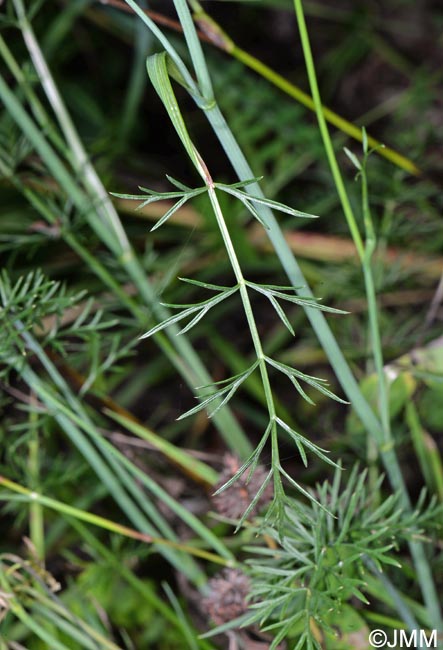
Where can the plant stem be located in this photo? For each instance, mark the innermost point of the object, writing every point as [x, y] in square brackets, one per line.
[296, 277]
[341, 190]
[36, 525]
[83, 166]
[249, 316]
[386, 444]
[377, 347]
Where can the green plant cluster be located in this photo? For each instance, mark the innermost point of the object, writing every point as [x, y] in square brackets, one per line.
[297, 336]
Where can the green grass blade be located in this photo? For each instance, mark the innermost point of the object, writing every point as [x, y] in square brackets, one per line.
[190, 465]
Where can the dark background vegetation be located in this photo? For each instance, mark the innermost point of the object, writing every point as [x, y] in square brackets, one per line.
[380, 65]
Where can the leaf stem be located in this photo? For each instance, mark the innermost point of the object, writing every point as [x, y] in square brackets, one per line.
[36, 525]
[249, 317]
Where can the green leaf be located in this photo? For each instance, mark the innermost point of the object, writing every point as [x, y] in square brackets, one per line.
[315, 382]
[275, 205]
[255, 500]
[170, 212]
[229, 390]
[298, 300]
[178, 184]
[206, 285]
[299, 439]
[281, 314]
[249, 181]
[203, 307]
[159, 76]
[353, 158]
[253, 211]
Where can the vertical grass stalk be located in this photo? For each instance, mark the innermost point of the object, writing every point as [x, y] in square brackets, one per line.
[36, 520]
[386, 444]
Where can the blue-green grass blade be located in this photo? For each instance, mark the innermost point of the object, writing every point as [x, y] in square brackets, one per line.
[195, 49]
[165, 43]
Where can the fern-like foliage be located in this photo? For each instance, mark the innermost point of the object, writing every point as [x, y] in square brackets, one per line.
[217, 395]
[23, 306]
[36, 308]
[328, 554]
[327, 550]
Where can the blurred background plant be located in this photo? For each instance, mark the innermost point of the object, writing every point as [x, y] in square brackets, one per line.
[111, 535]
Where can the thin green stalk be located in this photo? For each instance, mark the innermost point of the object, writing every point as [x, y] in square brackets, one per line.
[36, 520]
[83, 166]
[377, 346]
[293, 271]
[284, 253]
[389, 456]
[107, 524]
[159, 75]
[296, 277]
[250, 319]
[341, 190]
